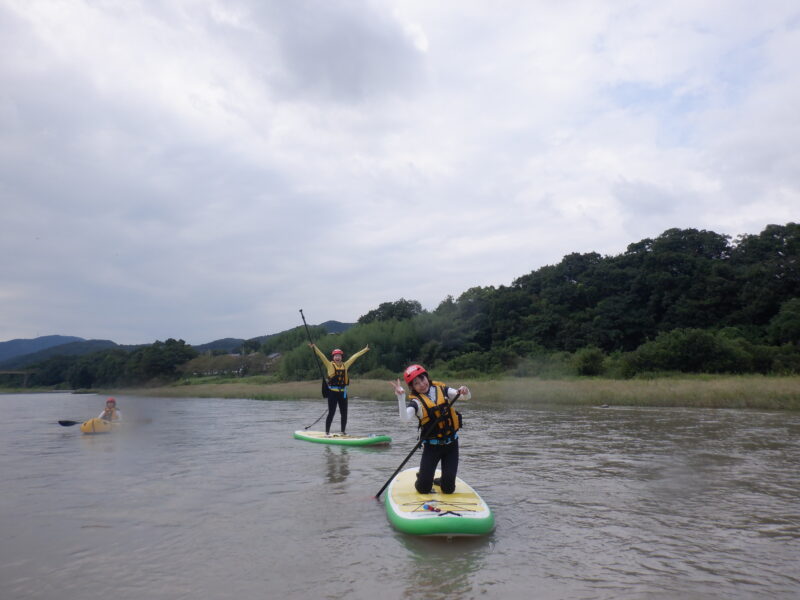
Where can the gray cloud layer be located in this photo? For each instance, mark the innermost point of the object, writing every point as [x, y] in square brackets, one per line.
[205, 169]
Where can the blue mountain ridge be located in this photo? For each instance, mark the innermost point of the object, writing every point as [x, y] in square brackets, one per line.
[18, 353]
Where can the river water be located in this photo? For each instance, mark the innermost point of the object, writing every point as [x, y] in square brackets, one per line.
[214, 499]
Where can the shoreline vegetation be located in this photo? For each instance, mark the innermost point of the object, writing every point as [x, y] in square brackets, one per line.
[696, 391]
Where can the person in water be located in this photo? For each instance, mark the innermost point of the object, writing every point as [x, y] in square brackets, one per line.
[338, 380]
[111, 412]
[439, 424]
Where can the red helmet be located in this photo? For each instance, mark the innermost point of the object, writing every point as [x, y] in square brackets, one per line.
[336, 351]
[413, 372]
[111, 401]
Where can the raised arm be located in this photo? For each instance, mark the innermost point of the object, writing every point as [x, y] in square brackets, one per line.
[407, 413]
[355, 356]
[325, 361]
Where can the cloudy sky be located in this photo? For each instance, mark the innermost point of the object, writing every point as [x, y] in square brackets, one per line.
[202, 169]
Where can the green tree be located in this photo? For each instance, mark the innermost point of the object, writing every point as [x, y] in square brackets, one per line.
[589, 361]
[159, 360]
[54, 371]
[287, 340]
[784, 328]
[768, 272]
[398, 310]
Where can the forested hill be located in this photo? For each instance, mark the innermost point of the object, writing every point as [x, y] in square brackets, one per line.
[661, 303]
[681, 279]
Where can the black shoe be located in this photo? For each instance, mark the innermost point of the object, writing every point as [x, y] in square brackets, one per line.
[437, 481]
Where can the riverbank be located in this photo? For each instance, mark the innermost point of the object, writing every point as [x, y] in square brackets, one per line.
[749, 391]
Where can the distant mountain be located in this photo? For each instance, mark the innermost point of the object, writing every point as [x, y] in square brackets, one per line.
[18, 347]
[226, 344]
[20, 353]
[70, 349]
[235, 344]
[336, 326]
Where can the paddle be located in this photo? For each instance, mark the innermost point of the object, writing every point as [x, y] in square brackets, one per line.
[66, 423]
[319, 366]
[422, 436]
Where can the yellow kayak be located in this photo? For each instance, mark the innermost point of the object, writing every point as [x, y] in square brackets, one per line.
[97, 425]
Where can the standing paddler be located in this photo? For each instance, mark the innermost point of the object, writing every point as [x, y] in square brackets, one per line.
[338, 380]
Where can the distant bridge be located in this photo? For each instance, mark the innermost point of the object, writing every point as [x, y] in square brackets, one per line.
[25, 374]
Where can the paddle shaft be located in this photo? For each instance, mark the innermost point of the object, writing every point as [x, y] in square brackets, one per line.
[319, 366]
[66, 423]
[308, 333]
[428, 429]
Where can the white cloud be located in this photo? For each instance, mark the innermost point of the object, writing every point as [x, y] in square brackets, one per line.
[203, 169]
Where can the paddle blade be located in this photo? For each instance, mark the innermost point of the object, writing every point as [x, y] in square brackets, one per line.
[69, 423]
[324, 389]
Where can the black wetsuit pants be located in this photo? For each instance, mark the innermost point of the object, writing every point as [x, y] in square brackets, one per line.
[336, 399]
[432, 454]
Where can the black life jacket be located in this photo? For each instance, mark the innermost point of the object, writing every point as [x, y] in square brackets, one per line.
[431, 411]
[340, 377]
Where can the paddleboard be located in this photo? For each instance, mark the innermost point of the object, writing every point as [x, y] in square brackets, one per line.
[320, 437]
[97, 425]
[462, 513]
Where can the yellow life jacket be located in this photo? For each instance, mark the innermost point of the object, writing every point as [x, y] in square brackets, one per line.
[340, 377]
[445, 428]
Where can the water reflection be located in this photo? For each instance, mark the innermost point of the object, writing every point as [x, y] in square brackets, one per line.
[337, 459]
[338, 462]
[445, 567]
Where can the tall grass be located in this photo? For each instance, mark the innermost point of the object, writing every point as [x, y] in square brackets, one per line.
[778, 393]
[749, 391]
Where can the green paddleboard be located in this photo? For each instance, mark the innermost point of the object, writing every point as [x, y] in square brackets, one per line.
[338, 439]
[462, 513]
